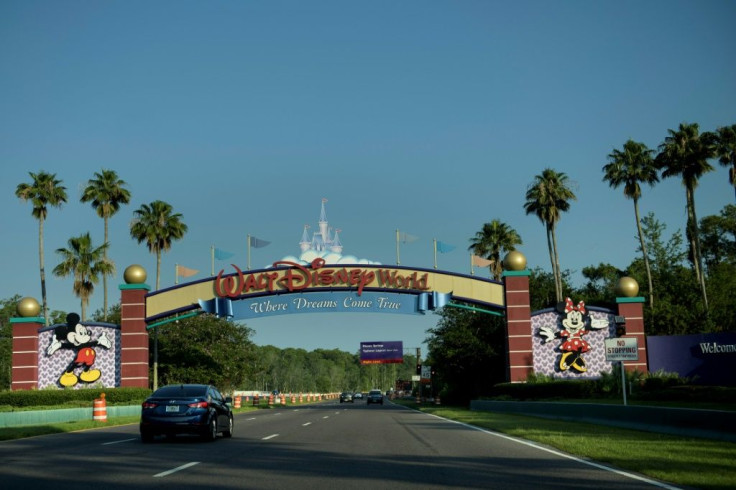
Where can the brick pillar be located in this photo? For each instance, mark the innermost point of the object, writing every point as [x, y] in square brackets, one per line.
[133, 336]
[25, 352]
[633, 310]
[518, 326]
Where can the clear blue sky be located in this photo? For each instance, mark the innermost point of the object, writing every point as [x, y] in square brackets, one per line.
[427, 116]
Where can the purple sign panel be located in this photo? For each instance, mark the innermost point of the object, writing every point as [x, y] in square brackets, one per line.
[381, 352]
[709, 358]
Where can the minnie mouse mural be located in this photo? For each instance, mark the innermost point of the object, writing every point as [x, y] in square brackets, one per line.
[574, 327]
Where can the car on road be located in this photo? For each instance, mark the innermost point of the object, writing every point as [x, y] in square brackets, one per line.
[357, 395]
[375, 396]
[346, 396]
[198, 409]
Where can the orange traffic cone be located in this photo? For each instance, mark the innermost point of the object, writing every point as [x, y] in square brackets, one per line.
[99, 410]
[237, 402]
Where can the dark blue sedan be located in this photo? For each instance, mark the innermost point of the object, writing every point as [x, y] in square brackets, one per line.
[186, 409]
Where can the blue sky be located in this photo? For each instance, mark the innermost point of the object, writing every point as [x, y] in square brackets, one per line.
[427, 116]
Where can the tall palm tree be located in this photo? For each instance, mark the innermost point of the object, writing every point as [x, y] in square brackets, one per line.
[685, 153]
[630, 167]
[107, 193]
[726, 151]
[45, 190]
[493, 239]
[157, 225]
[547, 197]
[85, 263]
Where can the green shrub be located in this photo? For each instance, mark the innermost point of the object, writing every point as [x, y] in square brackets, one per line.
[55, 397]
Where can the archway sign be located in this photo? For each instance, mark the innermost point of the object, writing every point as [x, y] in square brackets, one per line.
[291, 288]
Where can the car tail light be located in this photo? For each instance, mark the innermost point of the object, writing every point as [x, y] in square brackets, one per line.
[198, 405]
[150, 405]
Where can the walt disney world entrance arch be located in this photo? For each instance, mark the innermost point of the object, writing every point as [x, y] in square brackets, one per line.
[289, 288]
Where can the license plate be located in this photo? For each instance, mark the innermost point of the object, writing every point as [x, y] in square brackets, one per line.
[172, 408]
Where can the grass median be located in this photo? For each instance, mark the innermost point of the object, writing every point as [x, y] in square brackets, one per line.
[683, 461]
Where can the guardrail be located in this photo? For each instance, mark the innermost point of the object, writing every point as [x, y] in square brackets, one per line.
[43, 417]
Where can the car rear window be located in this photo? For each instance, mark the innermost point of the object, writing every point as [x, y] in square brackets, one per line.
[181, 390]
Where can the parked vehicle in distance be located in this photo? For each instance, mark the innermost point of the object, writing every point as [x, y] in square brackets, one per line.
[374, 396]
[186, 409]
[346, 396]
[357, 395]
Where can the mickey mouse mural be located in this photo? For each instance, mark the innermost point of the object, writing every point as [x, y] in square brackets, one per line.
[574, 327]
[78, 338]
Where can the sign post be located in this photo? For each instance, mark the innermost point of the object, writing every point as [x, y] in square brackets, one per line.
[622, 349]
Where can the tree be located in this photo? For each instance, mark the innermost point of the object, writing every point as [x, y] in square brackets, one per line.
[158, 226]
[85, 263]
[718, 237]
[45, 190]
[468, 350]
[106, 193]
[547, 197]
[685, 153]
[726, 151]
[630, 167]
[206, 349]
[8, 308]
[494, 239]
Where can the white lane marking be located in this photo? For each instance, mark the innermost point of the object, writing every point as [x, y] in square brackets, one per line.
[306, 424]
[182, 467]
[269, 437]
[252, 418]
[563, 455]
[118, 442]
[326, 417]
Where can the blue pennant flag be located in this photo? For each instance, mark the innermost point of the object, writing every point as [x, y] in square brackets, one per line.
[257, 242]
[444, 247]
[222, 255]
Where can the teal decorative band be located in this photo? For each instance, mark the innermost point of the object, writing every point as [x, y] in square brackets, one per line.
[517, 273]
[28, 319]
[135, 286]
[635, 299]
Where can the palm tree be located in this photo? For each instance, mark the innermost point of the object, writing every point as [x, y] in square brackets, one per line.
[546, 197]
[45, 190]
[685, 153]
[630, 167]
[106, 193]
[158, 226]
[493, 239]
[726, 151]
[85, 263]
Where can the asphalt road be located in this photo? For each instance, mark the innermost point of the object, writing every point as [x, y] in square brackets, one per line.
[327, 445]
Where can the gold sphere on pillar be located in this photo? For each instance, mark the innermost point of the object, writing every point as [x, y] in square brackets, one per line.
[28, 307]
[514, 261]
[627, 287]
[135, 274]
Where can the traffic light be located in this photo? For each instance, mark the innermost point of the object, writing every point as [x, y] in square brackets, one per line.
[620, 322]
[419, 369]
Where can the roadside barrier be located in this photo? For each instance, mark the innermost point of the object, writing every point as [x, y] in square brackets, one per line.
[237, 402]
[270, 399]
[283, 399]
[293, 399]
[99, 409]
